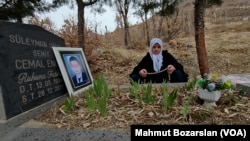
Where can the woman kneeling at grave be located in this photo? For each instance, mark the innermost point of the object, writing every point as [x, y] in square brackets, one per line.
[158, 66]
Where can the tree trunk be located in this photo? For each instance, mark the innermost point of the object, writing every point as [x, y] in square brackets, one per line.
[160, 26]
[147, 29]
[200, 37]
[80, 24]
[126, 30]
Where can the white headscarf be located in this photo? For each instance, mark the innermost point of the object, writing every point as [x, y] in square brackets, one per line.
[157, 59]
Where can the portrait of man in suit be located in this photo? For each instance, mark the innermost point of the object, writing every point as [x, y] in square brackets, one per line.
[74, 69]
[79, 77]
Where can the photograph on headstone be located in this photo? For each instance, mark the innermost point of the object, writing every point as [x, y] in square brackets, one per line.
[74, 68]
[29, 72]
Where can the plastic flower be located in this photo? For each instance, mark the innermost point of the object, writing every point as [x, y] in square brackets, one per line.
[211, 86]
[212, 82]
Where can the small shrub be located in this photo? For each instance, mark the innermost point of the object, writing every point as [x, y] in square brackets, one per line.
[98, 95]
[185, 107]
[168, 98]
[143, 93]
[134, 91]
[90, 99]
[147, 95]
[69, 105]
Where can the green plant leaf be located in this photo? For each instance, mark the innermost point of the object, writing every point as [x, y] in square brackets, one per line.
[90, 98]
[185, 107]
[172, 97]
[98, 95]
[69, 105]
[190, 85]
[168, 99]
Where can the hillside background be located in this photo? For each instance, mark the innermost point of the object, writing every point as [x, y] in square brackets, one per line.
[227, 32]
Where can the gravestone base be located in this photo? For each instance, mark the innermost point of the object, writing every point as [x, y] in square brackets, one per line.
[245, 87]
[10, 124]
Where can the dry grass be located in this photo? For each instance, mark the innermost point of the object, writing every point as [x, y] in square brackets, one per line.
[228, 53]
[124, 111]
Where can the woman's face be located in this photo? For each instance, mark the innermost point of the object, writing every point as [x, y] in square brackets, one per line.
[76, 67]
[156, 49]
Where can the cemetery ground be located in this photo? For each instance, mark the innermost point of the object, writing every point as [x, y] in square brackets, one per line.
[228, 50]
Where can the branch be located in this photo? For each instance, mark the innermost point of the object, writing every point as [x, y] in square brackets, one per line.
[5, 4]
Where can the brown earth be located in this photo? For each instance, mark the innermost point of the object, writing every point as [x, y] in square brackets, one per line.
[228, 51]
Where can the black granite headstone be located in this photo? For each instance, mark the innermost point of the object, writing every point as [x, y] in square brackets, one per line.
[29, 74]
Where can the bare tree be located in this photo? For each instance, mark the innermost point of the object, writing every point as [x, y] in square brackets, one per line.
[81, 4]
[162, 8]
[119, 21]
[199, 36]
[199, 10]
[69, 32]
[45, 23]
[140, 14]
[173, 25]
[123, 8]
[143, 11]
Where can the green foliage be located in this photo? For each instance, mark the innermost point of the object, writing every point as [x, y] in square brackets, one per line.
[168, 99]
[101, 87]
[212, 82]
[226, 85]
[102, 106]
[98, 95]
[162, 8]
[90, 98]
[134, 91]
[69, 105]
[19, 9]
[164, 90]
[190, 85]
[185, 107]
[147, 95]
[143, 93]
[167, 7]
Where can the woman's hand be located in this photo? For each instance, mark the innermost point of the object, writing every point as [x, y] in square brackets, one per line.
[143, 72]
[170, 69]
